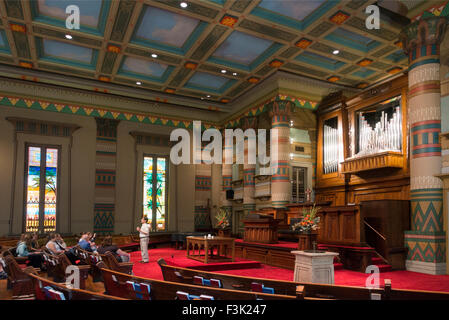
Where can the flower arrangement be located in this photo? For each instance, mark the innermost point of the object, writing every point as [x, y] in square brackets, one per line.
[309, 220]
[222, 218]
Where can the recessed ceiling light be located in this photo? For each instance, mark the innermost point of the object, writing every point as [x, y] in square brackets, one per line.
[154, 55]
[234, 73]
[68, 36]
[208, 96]
[223, 71]
[202, 98]
[183, 4]
[138, 83]
[336, 51]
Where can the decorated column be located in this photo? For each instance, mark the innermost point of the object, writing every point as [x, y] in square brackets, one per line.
[249, 170]
[426, 241]
[226, 176]
[105, 173]
[280, 111]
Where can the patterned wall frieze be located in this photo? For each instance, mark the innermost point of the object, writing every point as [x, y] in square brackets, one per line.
[45, 128]
[97, 112]
[150, 139]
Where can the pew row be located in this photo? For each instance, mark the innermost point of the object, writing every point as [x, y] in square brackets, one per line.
[138, 288]
[310, 290]
[57, 265]
[91, 259]
[45, 289]
[18, 280]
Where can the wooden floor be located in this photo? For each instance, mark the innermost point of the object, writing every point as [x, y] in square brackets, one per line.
[4, 294]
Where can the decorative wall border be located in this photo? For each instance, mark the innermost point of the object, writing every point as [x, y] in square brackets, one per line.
[97, 112]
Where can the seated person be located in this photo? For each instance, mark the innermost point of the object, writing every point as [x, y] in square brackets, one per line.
[60, 241]
[53, 246]
[86, 244]
[34, 241]
[23, 250]
[107, 245]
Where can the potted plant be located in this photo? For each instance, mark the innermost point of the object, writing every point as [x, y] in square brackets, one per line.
[223, 224]
[307, 228]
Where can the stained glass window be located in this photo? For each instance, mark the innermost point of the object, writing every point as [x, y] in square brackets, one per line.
[155, 191]
[33, 189]
[41, 189]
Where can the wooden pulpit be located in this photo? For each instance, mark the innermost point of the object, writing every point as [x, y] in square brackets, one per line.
[260, 228]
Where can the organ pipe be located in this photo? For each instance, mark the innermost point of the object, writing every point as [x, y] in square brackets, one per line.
[386, 135]
[330, 149]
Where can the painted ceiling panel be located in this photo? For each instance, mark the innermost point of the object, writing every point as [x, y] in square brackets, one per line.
[353, 40]
[145, 67]
[296, 9]
[242, 48]
[319, 60]
[93, 13]
[165, 27]
[159, 41]
[58, 50]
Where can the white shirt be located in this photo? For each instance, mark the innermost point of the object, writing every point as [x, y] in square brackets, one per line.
[145, 228]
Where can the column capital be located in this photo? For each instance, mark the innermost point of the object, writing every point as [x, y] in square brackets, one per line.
[280, 107]
[423, 32]
[249, 122]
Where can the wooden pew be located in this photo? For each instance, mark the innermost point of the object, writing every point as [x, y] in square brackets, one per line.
[45, 289]
[91, 259]
[12, 252]
[18, 280]
[138, 288]
[310, 290]
[58, 264]
[111, 262]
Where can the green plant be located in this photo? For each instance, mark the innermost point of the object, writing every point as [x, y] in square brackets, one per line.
[222, 218]
[309, 221]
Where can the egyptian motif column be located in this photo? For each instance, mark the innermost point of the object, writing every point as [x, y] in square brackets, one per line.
[226, 176]
[280, 111]
[105, 173]
[426, 241]
[249, 170]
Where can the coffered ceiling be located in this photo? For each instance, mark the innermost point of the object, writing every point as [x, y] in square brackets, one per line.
[211, 50]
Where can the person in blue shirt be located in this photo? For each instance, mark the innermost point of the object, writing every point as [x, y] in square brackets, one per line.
[23, 250]
[86, 244]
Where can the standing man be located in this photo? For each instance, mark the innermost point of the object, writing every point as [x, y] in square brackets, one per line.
[144, 239]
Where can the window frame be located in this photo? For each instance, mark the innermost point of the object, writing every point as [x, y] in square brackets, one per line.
[43, 147]
[167, 172]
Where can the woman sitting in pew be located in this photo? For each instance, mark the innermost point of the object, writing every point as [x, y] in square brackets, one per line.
[86, 242]
[107, 245]
[56, 246]
[24, 248]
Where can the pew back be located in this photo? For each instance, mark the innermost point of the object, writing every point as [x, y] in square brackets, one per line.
[310, 290]
[132, 287]
[48, 290]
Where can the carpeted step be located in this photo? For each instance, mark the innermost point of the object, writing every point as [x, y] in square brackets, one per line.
[384, 267]
[338, 266]
[377, 261]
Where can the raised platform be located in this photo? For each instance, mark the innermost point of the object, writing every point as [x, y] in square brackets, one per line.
[239, 263]
[275, 254]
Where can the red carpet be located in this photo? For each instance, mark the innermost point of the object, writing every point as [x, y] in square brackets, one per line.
[399, 279]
